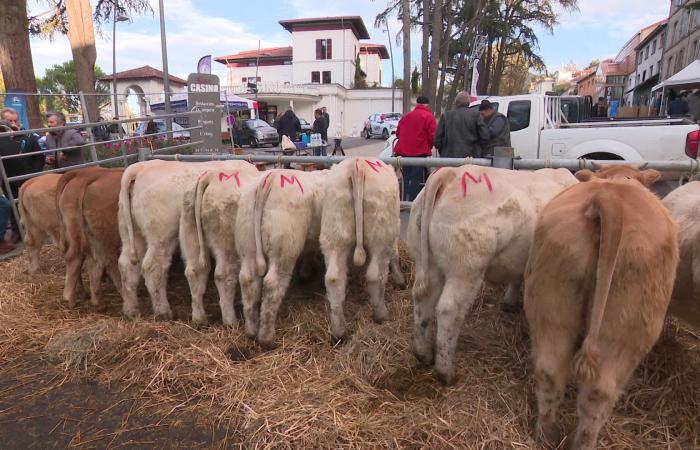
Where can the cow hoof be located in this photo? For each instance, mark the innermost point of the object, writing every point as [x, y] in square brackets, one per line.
[510, 308]
[380, 317]
[267, 345]
[99, 307]
[551, 434]
[336, 341]
[446, 379]
[426, 360]
[164, 317]
[200, 322]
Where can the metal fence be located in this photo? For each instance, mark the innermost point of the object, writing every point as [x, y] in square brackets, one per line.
[119, 151]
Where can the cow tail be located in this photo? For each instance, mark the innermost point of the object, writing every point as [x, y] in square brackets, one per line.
[200, 188]
[431, 189]
[125, 208]
[262, 191]
[358, 196]
[60, 187]
[585, 363]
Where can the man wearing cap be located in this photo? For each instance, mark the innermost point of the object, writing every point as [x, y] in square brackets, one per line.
[415, 133]
[462, 131]
[499, 128]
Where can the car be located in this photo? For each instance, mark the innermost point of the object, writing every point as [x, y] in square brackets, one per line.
[381, 125]
[306, 127]
[257, 132]
[178, 132]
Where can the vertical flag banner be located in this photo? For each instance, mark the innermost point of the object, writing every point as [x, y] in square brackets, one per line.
[475, 77]
[16, 100]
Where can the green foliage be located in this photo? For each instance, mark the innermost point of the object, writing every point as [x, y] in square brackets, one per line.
[360, 79]
[61, 79]
[415, 80]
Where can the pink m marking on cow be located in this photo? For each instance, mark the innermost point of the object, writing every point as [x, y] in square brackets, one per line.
[485, 177]
[374, 165]
[292, 180]
[236, 176]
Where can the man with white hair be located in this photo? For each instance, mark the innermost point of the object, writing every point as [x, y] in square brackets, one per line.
[462, 131]
[69, 140]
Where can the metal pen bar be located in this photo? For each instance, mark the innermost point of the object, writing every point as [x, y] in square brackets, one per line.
[63, 169]
[177, 147]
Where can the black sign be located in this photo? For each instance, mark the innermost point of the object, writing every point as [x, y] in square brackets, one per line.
[203, 95]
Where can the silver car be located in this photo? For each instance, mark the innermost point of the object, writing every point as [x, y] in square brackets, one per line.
[381, 125]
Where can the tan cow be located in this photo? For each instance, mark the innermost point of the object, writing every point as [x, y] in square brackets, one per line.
[468, 224]
[278, 218]
[38, 215]
[150, 205]
[360, 216]
[207, 228]
[684, 204]
[602, 267]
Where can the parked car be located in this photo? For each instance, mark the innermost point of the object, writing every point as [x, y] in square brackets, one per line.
[381, 125]
[306, 127]
[257, 132]
[160, 127]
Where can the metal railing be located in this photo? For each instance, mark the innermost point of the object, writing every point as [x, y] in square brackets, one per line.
[143, 149]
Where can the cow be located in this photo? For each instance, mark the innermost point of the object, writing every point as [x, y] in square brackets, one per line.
[597, 285]
[207, 228]
[150, 204]
[684, 204]
[279, 217]
[38, 215]
[468, 224]
[360, 217]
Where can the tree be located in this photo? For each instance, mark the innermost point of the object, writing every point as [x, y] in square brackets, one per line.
[406, 30]
[16, 55]
[399, 84]
[415, 80]
[360, 79]
[62, 79]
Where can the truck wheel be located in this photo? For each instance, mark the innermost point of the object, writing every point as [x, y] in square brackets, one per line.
[365, 134]
[254, 142]
[385, 134]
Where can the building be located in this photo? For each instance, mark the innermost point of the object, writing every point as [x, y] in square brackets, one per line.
[146, 83]
[682, 38]
[318, 69]
[649, 60]
[585, 81]
[541, 85]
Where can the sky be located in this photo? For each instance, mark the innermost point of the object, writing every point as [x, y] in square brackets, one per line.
[195, 28]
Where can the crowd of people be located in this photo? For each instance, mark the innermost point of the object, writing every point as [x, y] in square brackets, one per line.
[462, 132]
[70, 141]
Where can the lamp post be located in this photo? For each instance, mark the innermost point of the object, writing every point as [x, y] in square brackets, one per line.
[115, 18]
[393, 79]
[166, 74]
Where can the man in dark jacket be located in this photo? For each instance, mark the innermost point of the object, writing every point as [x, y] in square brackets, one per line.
[462, 131]
[69, 139]
[600, 109]
[288, 125]
[499, 128]
[27, 143]
[415, 134]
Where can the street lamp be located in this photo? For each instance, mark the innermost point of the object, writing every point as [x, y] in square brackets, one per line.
[116, 17]
[393, 79]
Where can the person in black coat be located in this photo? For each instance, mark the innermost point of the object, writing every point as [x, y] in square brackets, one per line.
[320, 125]
[288, 125]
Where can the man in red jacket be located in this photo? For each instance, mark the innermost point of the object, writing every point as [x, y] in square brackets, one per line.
[415, 134]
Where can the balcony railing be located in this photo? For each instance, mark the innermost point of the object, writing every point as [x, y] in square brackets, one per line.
[274, 88]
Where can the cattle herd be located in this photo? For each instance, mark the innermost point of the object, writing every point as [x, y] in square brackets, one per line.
[596, 254]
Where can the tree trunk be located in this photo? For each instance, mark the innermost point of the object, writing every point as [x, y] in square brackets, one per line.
[81, 35]
[435, 43]
[16, 55]
[500, 67]
[458, 80]
[485, 69]
[443, 59]
[425, 47]
[406, 19]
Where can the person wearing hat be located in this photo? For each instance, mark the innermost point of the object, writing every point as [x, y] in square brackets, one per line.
[499, 128]
[462, 131]
[415, 133]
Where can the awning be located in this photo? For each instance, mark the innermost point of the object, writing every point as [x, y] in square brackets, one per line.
[686, 78]
[230, 102]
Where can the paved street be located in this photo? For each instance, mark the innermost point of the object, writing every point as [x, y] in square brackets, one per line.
[357, 146]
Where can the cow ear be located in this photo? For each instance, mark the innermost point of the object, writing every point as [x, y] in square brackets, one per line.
[584, 175]
[648, 177]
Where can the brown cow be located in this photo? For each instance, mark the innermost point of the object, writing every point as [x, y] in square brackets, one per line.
[38, 215]
[602, 267]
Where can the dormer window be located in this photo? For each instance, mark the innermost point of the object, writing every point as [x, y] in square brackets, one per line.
[324, 49]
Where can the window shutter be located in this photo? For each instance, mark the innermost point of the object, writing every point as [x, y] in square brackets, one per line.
[319, 49]
[329, 48]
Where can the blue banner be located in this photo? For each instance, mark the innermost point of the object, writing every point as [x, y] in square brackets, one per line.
[16, 100]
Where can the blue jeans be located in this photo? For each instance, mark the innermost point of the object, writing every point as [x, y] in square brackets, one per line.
[413, 177]
[5, 214]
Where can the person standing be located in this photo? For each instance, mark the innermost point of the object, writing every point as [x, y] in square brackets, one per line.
[325, 115]
[416, 134]
[499, 128]
[320, 126]
[677, 106]
[68, 139]
[288, 125]
[462, 131]
[5, 214]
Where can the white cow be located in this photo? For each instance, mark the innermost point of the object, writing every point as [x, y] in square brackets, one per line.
[360, 216]
[684, 204]
[150, 204]
[470, 223]
[278, 218]
[207, 227]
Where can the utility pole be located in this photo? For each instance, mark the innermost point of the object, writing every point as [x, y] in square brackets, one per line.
[393, 79]
[166, 73]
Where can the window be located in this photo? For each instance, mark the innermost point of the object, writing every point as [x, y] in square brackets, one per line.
[651, 71]
[250, 79]
[316, 77]
[646, 54]
[639, 58]
[639, 78]
[324, 49]
[653, 47]
[644, 75]
[674, 36]
[680, 60]
[326, 77]
[695, 51]
[519, 115]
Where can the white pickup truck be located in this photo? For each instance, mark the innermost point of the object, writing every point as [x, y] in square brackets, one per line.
[541, 128]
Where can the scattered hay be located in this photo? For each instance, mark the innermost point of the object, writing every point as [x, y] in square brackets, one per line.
[306, 393]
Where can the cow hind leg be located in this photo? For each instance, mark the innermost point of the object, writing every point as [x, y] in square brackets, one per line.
[251, 288]
[96, 271]
[377, 273]
[511, 301]
[424, 319]
[225, 277]
[33, 240]
[130, 276]
[275, 285]
[156, 264]
[197, 276]
[396, 273]
[457, 297]
[336, 285]
[73, 288]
